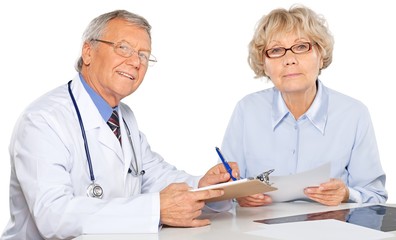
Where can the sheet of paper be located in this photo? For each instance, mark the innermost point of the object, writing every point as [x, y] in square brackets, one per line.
[322, 229]
[291, 187]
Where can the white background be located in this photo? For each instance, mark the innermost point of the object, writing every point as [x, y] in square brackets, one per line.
[184, 104]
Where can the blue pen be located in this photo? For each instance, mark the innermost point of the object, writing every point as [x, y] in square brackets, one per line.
[225, 163]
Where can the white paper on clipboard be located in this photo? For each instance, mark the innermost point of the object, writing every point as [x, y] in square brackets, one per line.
[281, 188]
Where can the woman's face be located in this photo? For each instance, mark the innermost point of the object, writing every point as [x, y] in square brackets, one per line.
[293, 73]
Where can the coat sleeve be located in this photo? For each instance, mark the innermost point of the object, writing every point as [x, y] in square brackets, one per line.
[42, 178]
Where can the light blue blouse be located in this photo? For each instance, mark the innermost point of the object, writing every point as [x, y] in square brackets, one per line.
[262, 134]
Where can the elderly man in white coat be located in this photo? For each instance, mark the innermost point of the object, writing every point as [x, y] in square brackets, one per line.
[72, 174]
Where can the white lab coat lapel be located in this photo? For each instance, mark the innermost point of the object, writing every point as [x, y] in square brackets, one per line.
[132, 183]
[126, 148]
[93, 120]
[135, 137]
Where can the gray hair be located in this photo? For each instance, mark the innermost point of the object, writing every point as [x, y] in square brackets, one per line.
[97, 26]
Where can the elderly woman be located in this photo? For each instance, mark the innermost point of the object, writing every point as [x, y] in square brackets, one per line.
[300, 124]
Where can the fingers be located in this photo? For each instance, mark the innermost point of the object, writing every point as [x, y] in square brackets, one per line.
[333, 184]
[207, 194]
[255, 200]
[331, 193]
[235, 169]
[324, 200]
[220, 168]
[180, 207]
[219, 174]
[200, 222]
[212, 179]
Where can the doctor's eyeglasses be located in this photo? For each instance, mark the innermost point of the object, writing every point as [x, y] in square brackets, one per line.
[298, 48]
[124, 49]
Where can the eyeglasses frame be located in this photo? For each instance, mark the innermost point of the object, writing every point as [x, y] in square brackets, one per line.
[310, 45]
[114, 44]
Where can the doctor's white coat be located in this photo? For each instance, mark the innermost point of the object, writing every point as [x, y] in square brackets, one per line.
[50, 174]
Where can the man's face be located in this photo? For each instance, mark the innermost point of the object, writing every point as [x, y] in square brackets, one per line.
[113, 76]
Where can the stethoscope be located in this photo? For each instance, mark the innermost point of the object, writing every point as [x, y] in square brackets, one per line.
[94, 190]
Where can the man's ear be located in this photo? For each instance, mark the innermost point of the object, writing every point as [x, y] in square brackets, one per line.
[86, 53]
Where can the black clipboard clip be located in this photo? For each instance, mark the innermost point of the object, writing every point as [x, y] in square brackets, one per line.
[264, 177]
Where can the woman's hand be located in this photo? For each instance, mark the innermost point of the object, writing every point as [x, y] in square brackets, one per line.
[331, 193]
[255, 200]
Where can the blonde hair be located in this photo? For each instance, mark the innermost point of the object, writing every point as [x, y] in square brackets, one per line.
[299, 19]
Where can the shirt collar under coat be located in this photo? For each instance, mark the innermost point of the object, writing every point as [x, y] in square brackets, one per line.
[317, 112]
[104, 108]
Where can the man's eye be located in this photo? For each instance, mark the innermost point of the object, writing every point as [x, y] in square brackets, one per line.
[144, 55]
[123, 47]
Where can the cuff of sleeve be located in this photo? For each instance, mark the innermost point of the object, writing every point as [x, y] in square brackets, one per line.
[354, 196]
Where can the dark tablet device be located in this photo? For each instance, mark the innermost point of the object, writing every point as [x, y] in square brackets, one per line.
[377, 217]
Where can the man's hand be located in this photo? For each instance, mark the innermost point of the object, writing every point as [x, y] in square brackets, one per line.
[219, 174]
[180, 208]
[331, 193]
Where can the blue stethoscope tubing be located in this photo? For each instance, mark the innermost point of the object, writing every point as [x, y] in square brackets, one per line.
[91, 173]
[95, 190]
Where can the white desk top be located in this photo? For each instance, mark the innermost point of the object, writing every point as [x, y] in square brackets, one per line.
[230, 225]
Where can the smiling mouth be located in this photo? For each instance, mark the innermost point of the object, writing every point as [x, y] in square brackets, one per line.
[127, 75]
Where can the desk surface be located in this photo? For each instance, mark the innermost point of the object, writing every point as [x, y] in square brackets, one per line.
[231, 225]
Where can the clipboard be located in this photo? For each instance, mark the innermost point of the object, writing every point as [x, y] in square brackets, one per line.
[240, 188]
[262, 184]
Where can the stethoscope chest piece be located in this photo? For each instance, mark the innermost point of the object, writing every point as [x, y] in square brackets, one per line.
[95, 191]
